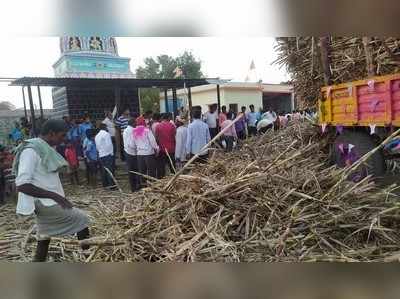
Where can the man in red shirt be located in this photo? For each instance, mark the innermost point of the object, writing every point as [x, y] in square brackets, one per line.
[165, 136]
[146, 117]
[73, 162]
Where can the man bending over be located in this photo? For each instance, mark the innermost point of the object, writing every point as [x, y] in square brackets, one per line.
[36, 167]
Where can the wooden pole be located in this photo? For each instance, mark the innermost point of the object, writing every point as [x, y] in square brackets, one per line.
[118, 135]
[325, 61]
[117, 94]
[166, 100]
[190, 102]
[23, 97]
[174, 102]
[219, 99]
[40, 102]
[369, 56]
[31, 107]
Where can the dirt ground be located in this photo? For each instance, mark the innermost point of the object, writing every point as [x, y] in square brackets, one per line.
[14, 229]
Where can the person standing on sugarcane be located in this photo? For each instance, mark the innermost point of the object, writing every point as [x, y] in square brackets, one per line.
[36, 166]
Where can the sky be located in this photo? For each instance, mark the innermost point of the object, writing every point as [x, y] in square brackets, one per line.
[223, 57]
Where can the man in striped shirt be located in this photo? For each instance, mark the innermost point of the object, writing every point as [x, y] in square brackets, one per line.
[122, 121]
[122, 124]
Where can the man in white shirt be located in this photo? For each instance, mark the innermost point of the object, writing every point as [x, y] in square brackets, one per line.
[270, 115]
[181, 140]
[131, 156]
[211, 119]
[109, 122]
[267, 121]
[147, 148]
[106, 154]
[36, 166]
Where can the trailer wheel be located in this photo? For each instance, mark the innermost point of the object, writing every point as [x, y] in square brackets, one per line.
[362, 143]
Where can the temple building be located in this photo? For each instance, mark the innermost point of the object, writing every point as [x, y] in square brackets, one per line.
[96, 58]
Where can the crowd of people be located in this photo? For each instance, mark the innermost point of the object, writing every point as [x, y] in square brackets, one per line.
[153, 143]
[150, 143]
[23, 130]
[251, 122]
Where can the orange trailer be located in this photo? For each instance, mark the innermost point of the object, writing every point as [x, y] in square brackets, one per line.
[363, 113]
[374, 101]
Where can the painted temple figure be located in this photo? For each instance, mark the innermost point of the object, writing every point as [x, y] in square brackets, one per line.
[95, 43]
[74, 43]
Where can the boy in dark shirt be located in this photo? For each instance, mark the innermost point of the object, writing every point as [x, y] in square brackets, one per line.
[92, 159]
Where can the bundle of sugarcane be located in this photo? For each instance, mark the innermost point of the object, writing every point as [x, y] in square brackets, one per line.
[347, 59]
[274, 199]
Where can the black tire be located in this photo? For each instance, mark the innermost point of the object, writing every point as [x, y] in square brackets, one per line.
[363, 143]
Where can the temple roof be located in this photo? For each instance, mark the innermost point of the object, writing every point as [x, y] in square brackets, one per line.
[89, 45]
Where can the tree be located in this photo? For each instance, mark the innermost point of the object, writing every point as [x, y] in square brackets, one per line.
[151, 69]
[6, 106]
[150, 99]
[163, 67]
[191, 68]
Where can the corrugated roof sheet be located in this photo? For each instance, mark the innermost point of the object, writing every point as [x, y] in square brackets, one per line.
[107, 83]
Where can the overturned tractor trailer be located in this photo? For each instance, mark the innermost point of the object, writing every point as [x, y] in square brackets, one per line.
[362, 114]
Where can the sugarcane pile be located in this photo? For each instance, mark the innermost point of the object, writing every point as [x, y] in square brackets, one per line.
[301, 56]
[274, 199]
